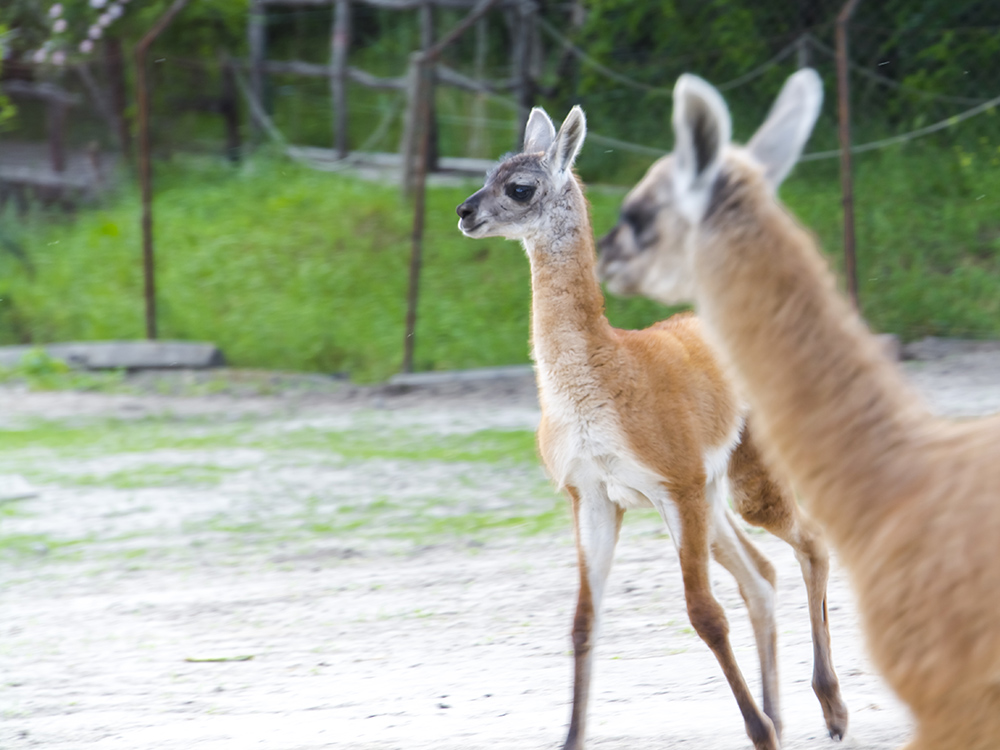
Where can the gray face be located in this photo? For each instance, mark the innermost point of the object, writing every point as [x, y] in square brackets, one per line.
[645, 251]
[510, 203]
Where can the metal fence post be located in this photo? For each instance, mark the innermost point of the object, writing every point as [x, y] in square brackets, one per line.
[846, 175]
[145, 166]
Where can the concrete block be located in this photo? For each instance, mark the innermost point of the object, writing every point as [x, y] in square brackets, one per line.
[123, 355]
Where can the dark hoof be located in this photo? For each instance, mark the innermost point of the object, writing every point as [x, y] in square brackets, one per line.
[835, 714]
[762, 734]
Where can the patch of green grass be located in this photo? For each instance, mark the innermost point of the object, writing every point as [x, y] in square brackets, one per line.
[484, 445]
[113, 436]
[480, 525]
[151, 475]
[42, 372]
[282, 268]
[38, 545]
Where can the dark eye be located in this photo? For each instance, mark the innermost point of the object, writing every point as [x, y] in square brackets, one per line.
[520, 193]
[638, 218]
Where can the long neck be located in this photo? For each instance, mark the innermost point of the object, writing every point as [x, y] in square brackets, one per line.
[567, 317]
[836, 413]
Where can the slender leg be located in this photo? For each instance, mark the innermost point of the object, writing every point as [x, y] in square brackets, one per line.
[729, 547]
[596, 521]
[765, 502]
[709, 619]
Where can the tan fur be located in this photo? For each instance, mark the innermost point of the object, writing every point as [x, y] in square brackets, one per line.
[910, 501]
[629, 418]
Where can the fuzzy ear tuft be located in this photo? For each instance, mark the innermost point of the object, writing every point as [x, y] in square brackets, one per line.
[702, 131]
[778, 143]
[539, 132]
[562, 152]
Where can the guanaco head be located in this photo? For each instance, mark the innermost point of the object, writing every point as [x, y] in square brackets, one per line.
[647, 252]
[532, 193]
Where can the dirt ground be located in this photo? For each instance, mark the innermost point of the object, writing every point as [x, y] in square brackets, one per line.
[221, 607]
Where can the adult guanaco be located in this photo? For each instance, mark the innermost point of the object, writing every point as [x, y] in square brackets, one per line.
[644, 418]
[911, 501]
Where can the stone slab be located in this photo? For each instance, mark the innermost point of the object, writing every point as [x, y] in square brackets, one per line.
[460, 376]
[123, 355]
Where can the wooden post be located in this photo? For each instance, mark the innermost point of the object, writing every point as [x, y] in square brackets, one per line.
[257, 46]
[339, 45]
[414, 92]
[802, 56]
[522, 23]
[430, 83]
[114, 68]
[56, 116]
[477, 137]
[846, 173]
[419, 92]
[229, 108]
[421, 63]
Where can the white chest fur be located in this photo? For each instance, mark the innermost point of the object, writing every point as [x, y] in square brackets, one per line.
[588, 448]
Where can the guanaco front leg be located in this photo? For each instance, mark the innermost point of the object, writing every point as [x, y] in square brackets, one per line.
[755, 578]
[596, 522]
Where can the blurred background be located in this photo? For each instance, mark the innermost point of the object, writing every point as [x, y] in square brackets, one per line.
[283, 144]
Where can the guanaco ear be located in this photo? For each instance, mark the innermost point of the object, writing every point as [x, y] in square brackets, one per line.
[702, 130]
[539, 132]
[562, 152]
[778, 143]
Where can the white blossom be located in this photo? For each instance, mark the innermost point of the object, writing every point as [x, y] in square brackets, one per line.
[58, 57]
[39, 56]
[98, 3]
[104, 19]
[94, 32]
[56, 10]
[86, 46]
[115, 10]
[59, 26]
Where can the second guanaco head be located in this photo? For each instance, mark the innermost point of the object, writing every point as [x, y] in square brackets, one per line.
[645, 253]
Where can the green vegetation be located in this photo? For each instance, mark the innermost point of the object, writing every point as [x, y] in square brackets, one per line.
[145, 435]
[283, 268]
[291, 269]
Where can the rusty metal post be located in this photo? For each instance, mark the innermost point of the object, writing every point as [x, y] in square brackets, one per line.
[846, 174]
[423, 65]
[422, 127]
[145, 167]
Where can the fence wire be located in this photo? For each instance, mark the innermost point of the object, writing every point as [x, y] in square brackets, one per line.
[920, 78]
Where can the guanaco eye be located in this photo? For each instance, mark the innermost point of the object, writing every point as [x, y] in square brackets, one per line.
[520, 193]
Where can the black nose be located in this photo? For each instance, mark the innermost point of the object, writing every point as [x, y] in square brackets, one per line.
[469, 207]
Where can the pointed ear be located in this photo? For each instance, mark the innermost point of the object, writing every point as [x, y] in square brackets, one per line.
[778, 143]
[539, 132]
[702, 130]
[562, 152]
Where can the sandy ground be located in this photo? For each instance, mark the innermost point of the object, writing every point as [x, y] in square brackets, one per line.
[163, 631]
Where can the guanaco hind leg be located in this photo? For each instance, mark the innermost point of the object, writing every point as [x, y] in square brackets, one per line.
[762, 501]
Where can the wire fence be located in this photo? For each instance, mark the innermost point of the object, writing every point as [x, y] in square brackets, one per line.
[907, 81]
[922, 78]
